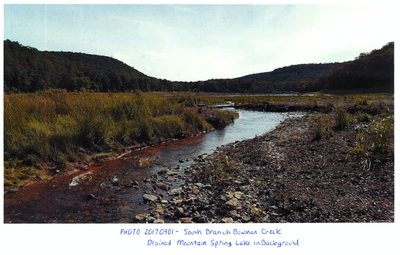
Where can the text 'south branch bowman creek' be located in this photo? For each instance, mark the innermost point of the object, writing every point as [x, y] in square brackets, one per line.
[200, 237]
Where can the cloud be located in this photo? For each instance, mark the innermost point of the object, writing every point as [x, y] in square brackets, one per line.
[152, 54]
[184, 9]
[121, 57]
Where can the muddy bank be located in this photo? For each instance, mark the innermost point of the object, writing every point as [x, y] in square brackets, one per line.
[268, 107]
[283, 176]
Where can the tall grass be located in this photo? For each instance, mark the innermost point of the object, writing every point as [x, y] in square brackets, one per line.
[53, 125]
[342, 118]
[377, 138]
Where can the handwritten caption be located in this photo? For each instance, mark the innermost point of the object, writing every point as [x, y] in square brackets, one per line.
[208, 237]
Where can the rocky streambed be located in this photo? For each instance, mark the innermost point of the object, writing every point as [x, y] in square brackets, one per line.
[283, 176]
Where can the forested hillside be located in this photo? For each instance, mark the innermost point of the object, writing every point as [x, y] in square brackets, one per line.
[27, 69]
[300, 72]
[368, 70]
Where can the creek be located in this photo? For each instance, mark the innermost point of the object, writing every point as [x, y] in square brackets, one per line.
[107, 192]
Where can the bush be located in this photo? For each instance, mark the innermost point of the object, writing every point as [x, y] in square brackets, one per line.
[360, 101]
[342, 118]
[379, 137]
[322, 128]
[382, 135]
[363, 117]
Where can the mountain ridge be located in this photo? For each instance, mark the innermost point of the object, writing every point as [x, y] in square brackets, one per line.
[298, 72]
[27, 69]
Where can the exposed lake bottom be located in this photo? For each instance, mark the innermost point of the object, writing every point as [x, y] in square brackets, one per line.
[112, 191]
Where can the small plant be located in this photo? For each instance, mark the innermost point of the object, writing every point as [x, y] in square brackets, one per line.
[382, 135]
[379, 137]
[363, 117]
[362, 149]
[360, 101]
[342, 119]
[322, 129]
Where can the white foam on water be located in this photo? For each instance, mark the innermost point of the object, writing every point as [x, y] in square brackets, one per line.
[76, 179]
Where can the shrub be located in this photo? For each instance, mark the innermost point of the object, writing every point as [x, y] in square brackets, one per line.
[360, 101]
[342, 118]
[379, 137]
[382, 135]
[322, 128]
[363, 117]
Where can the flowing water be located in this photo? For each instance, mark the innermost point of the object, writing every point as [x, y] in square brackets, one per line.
[106, 191]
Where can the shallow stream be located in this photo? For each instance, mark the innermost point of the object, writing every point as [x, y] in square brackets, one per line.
[107, 192]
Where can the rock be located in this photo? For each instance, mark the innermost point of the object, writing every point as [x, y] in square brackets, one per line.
[265, 218]
[140, 217]
[234, 203]
[229, 194]
[151, 219]
[179, 211]
[174, 192]
[163, 171]
[164, 201]
[90, 197]
[233, 213]
[162, 186]
[186, 220]
[159, 209]
[223, 197]
[148, 197]
[199, 185]
[177, 201]
[246, 218]
[227, 220]
[200, 219]
[196, 191]
[238, 194]
[158, 221]
[203, 156]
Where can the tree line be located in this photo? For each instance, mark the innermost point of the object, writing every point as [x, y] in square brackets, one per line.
[27, 69]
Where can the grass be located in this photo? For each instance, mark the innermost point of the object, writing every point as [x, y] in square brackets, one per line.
[376, 139]
[52, 126]
[322, 127]
[342, 118]
[16, 174]
[55, 125]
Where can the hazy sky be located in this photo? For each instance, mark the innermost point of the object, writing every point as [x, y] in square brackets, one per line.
[199, 42]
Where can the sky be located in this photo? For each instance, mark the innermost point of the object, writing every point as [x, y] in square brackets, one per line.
[200, 42]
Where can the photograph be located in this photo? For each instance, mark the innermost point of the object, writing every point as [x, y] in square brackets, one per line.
[243, 117]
